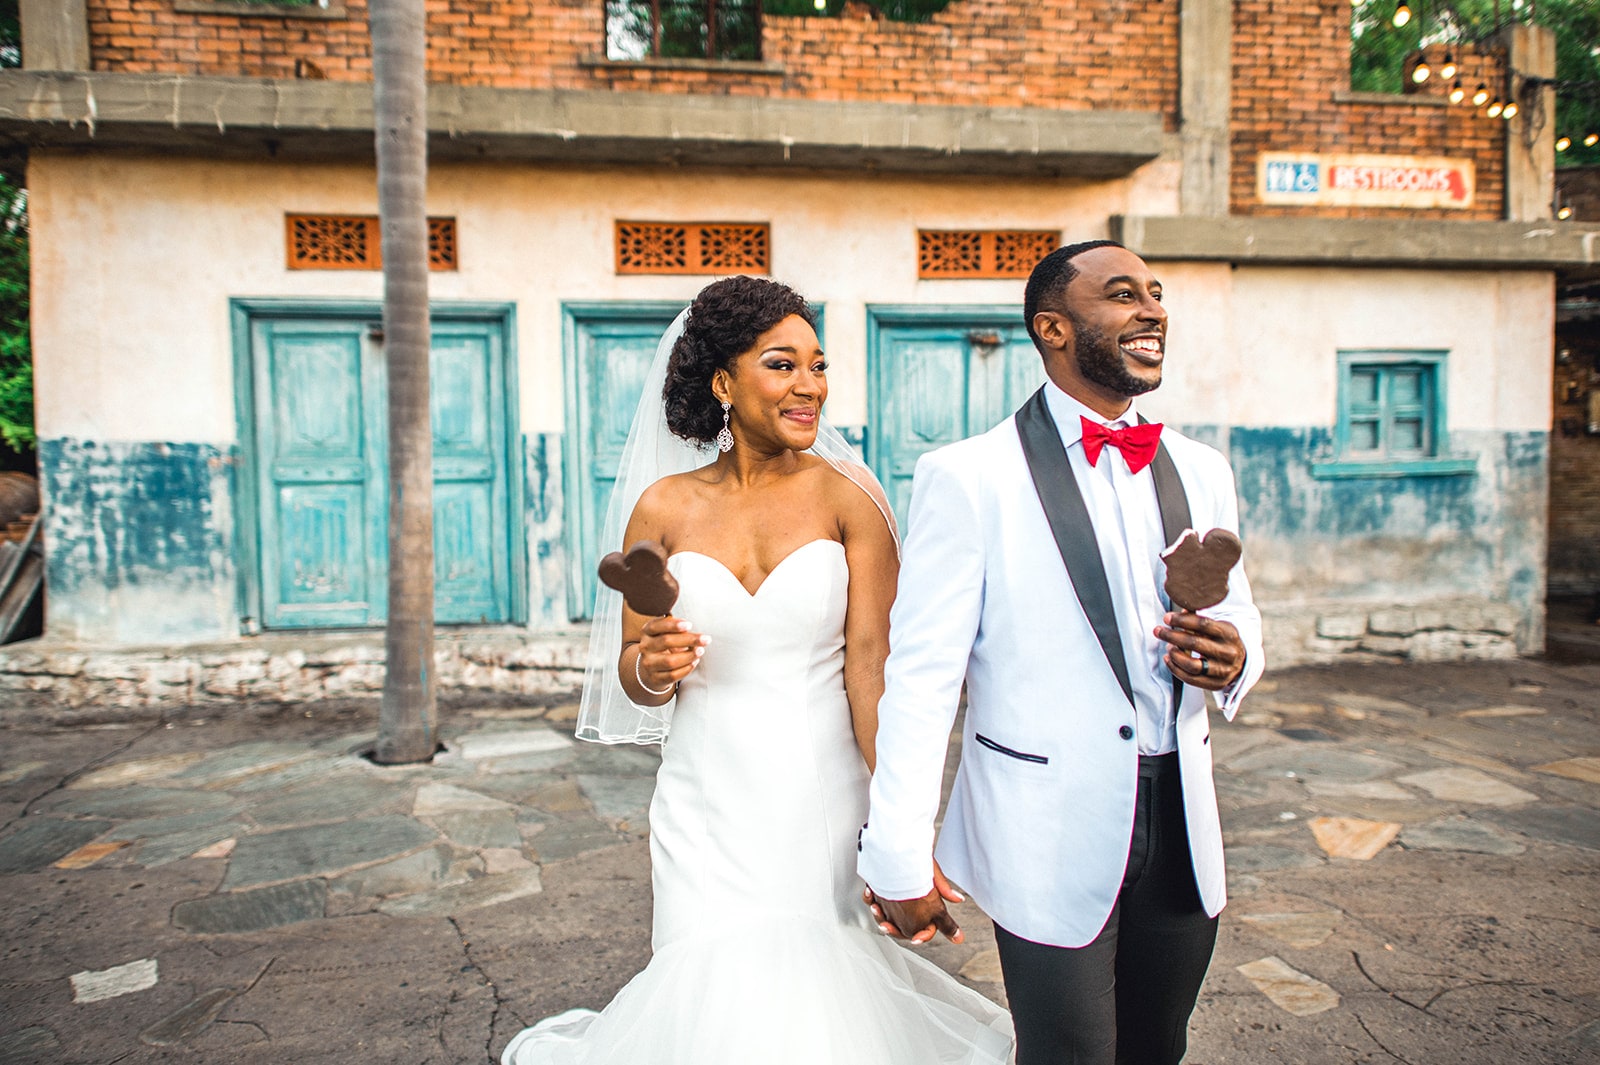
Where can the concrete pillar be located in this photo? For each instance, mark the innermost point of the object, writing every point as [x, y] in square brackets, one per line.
[55, 34]
[1531, 140]
[1205, 97]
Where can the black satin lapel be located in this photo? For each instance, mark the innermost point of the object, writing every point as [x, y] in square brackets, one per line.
[1171, 499]
[1173, 502]
[1070, 525]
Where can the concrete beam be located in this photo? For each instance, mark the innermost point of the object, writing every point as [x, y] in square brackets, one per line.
[1205, 98]
[1565, 246]
[1531, 147]
[334, 119]
[55, 34]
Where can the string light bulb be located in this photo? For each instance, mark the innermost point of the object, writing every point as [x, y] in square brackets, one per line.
[1563, 143]
[1591, 140]
[1509, 111]
[1565, 213]
[1480, 95]
[1420, 72]
[1448, 71]
[1495, 109]
[1402, 15]
[1457, 93]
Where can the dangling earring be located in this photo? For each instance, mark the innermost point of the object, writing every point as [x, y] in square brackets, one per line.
[725, 436]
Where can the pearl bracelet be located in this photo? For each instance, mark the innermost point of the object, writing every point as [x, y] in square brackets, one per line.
[640, 678]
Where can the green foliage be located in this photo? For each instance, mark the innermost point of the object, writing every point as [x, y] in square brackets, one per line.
[10, 34]
[1378, 50]
[16, 353]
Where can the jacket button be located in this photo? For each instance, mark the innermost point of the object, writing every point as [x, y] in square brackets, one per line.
[1126, 732]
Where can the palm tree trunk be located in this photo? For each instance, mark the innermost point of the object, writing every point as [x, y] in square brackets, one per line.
[408, 718]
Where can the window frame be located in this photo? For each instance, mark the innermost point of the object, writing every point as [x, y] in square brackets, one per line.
[1434, 459]
[710, 9]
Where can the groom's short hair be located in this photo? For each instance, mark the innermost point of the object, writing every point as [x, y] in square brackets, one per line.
[1050, 279]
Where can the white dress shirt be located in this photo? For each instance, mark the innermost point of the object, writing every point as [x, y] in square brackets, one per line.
[1127, 527]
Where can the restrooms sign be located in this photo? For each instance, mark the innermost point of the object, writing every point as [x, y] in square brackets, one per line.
[1363, 180]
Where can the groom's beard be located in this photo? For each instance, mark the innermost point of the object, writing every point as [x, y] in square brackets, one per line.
[1100, 360]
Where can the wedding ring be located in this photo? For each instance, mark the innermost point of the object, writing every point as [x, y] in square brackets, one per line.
[1205, 668]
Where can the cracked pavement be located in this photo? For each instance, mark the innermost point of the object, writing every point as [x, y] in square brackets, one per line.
[1413, 855]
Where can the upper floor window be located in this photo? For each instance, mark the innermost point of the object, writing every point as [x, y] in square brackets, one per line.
[683, 29]
[1391, 417]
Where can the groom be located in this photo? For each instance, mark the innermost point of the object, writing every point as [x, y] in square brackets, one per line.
[1084, 816]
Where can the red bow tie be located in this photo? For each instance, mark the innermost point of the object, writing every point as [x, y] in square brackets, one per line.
[1137, 443]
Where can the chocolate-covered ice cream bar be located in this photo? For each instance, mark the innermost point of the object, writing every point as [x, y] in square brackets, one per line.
[642, 578]
[1198, 568]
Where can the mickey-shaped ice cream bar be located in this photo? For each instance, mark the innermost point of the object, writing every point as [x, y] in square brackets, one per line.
[642, 578]
[1198, 568]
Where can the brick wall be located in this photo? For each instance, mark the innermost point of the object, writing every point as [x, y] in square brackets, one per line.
[1053, 54]
[1290, 58]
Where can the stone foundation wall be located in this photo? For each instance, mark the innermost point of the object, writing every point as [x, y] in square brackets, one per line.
[1330, 633]
[123, 681]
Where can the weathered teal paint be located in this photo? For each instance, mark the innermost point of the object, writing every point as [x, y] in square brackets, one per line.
[1279, 488]
[545, 524]
[1386, 538]
[313, 512]
[607, 347]
[936, 375]
[139, 539]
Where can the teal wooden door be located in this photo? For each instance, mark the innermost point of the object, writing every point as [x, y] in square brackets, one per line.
[609, 348]
[471, 523]
[318, 449]
[938, 375]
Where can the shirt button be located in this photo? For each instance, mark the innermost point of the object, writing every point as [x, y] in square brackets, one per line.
[1126, 732]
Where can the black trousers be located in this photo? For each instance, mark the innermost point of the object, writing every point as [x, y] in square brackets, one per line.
[1125, 997]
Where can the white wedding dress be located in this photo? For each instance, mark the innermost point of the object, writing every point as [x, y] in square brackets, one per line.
[763, 951]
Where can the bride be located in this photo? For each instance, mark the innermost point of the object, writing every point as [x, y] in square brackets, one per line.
[767, 677]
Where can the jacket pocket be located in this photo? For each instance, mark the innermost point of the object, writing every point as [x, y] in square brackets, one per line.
[1021, 756]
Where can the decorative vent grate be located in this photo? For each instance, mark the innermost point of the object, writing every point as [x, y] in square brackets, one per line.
[693, 248]
[943, 253]
[354, 242]
[442, 244]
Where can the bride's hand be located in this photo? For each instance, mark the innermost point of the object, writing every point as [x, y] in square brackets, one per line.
[669, 650]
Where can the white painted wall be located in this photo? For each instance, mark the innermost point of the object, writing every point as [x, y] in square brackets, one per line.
[135, 260]
[1257, 346]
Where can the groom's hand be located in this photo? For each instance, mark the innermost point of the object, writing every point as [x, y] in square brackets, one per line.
[927, 915]
[1205, 653]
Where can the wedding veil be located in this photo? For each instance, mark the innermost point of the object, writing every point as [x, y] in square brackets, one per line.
[606, 714]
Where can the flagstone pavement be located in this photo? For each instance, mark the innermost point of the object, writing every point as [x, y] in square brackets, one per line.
[1413, 852]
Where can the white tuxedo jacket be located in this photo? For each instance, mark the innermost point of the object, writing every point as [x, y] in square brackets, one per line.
[1041, 816]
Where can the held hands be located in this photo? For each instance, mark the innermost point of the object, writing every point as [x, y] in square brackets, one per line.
[927, 915]
[669, 650]
[1205, 653]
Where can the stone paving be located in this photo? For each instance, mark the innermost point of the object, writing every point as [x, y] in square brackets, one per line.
[1413, 855]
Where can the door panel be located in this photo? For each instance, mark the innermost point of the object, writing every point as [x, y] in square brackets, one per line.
[320, 459]
[471, 553]
[939, 375]
[611, 349]
[316, 502]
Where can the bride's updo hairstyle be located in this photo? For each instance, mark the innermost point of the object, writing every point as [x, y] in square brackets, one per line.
[724, 321]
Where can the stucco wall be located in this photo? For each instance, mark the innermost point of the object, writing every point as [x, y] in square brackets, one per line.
[1257, 348]
[137, 259]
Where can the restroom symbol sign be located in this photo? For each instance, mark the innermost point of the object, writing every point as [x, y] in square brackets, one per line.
[1291, 176]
